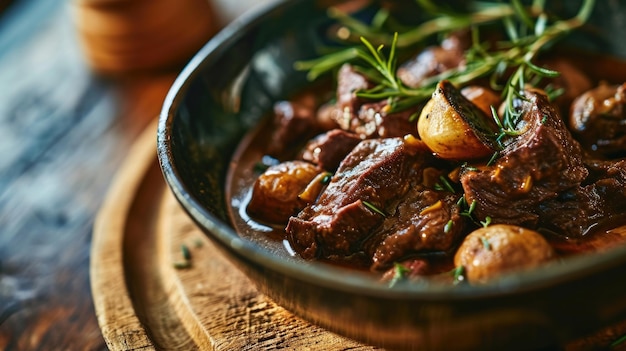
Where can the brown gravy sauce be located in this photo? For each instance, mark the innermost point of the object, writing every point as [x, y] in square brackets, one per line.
[250, 152]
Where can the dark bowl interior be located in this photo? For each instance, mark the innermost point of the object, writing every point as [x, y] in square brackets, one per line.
[226, 90]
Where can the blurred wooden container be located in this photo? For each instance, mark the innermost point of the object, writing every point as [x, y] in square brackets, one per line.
[128, 36]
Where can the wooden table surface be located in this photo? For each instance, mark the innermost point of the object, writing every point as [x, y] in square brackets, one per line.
[64, 131]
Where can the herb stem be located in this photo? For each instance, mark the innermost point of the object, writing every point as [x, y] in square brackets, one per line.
[528, 36]
[449, 23]
[358, 29]
[619, 341]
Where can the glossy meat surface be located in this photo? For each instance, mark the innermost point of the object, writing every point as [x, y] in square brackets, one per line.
[368, 183]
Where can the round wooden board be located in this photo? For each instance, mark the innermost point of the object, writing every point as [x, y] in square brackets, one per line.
[147, 295]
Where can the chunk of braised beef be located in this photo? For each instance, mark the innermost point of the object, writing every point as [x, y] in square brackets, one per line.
[598, 120]
[609, 181]
[328, 149]
[599, 200]
[533, 169]
[293, 121]
[327, 116]
[573, 212]
[365, 118]
[425, 221]
[375, 120]
[348, 104]
[435, 59]
[368, 183]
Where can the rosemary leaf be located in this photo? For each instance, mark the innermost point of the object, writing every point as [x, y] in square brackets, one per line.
[319, 66]
[374, 208]
[185, 251]
[485, 243]
[448, 227]
[542, 71]
[522, 13]
[399, 273]
[486, 222]
[618, 341]
[458, 274]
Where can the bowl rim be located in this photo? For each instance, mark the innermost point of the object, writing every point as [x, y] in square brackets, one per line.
[318, 273]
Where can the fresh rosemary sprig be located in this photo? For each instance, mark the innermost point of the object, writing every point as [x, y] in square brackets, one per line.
[353, 30]
[529, 33]
[389, 85]
[525, 49]
[442, 21]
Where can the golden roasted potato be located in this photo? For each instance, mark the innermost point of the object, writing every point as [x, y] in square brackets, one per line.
[275, 193]
[491, 251]
[454, 128]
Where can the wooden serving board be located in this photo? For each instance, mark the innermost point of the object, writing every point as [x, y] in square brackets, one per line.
[147, 295]
[151, 294]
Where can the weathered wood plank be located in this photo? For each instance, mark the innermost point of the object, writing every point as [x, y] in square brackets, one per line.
[63, 134]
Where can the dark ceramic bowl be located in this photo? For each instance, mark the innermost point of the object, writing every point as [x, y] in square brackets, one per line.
[225, 91]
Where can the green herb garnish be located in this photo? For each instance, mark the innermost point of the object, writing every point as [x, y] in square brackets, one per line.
[448, 227]
[619, 341]
[399, 273]
[529, 32]
[445, 185]
[186, 254]
[185, 251]
[486, 222]
[458, 274]
[374, 208]
[493, 158]
[485, 243]
[182, 264]
[467, 211]
[327, 177]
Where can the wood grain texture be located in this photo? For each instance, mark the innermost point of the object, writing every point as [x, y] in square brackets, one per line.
[121, 327]
[53, 140]
[222, 306]
[63, 133]
[149, 295]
